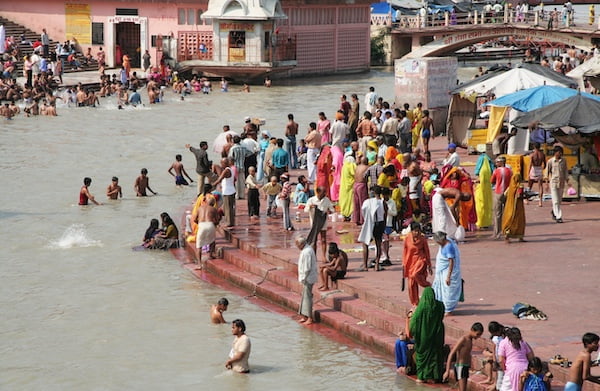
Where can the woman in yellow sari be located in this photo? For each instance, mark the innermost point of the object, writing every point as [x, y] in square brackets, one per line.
[483, 192]
[416, 124]
[513, 219]
[346, 185]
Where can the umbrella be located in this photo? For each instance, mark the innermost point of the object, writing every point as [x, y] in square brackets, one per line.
[579, 112]
[221, 140]
[536, 97]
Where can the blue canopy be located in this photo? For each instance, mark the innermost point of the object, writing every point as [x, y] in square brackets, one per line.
[381, 8]
[537, 97]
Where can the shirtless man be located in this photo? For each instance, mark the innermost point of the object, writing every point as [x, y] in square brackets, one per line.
[179, 172]
[580, 370]
[113, 191]
[15, 109]
[538, 164]
[216, 311]
[415, 189]
[462, 351]
[81, 97]
[427, 130]
[336, 267]
[142, 183]
[6, 112]
[207, 217]
[360, 188]
[152, 88]
[48, 109]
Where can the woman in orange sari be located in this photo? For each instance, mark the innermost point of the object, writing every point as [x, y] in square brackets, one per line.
[416, 262]
[513, 219]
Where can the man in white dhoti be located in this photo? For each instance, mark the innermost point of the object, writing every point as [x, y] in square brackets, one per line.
[307, 275]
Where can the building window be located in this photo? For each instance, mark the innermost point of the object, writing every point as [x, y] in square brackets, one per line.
[181, 16]
[97, 33]
[127, 11]
[191, 16]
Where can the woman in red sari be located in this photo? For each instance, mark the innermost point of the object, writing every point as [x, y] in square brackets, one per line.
[324, 166]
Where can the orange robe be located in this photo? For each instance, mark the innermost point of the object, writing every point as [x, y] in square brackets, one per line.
[417, 262]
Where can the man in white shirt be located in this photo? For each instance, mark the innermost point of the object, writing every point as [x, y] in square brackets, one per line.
[452, 158]
[307, 276]
[371, 100]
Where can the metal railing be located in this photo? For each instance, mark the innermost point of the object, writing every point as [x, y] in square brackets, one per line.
[508, 16]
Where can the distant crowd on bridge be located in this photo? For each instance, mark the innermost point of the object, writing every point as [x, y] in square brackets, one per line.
[491, 13]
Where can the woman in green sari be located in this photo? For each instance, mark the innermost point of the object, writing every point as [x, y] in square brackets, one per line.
[427, 329]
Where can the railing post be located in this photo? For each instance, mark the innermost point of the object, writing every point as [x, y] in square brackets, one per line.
[506, 14]
[536, 18]
[568, 20]
[446, 19]
[475, 17]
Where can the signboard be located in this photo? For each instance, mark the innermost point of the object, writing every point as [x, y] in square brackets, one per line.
[237, 54]
[236, 26]
[78, 23]
[124, 19]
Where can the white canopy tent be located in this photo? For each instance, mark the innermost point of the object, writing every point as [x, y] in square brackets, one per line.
[463, 109]
[590, 68]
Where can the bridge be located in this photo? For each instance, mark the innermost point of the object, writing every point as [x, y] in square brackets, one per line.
[444, 33]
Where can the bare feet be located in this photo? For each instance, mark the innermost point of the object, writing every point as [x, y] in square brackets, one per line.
[447, 314]
[302, 319]
[401, 370]
[420, 381]
[308, 321]
[323, 288]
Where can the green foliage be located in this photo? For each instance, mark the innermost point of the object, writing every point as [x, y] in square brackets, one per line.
[378, 49]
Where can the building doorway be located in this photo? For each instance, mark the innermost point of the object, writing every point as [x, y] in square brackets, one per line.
[128, 42]
[237, 46]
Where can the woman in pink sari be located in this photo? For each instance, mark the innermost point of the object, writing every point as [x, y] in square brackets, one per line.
[323, 128]
[337, 155]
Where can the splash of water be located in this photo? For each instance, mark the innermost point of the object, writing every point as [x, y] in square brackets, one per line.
[74, 236]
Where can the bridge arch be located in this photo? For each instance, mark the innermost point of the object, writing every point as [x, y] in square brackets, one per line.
[461, 39]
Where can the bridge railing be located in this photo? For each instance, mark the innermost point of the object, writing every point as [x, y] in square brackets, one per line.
[508, 16]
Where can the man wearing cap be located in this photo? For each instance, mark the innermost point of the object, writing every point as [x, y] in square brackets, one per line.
[339, 130]
[501, 179]
[452, 157]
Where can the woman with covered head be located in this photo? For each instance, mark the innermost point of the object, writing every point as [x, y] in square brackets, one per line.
[426, 327]
[513, 219]
[447, 283]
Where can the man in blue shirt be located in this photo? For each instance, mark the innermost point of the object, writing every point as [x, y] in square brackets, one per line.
[135, 98]
[280, 159]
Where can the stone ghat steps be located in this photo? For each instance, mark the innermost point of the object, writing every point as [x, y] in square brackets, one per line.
[343, 312]
[279, 285]
[15, 29]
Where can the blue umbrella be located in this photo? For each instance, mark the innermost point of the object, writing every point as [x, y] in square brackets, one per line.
[537, 97]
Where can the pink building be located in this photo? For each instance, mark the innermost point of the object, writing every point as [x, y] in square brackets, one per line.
[293, 37]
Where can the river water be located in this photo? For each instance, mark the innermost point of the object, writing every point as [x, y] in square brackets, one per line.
[82, 311]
